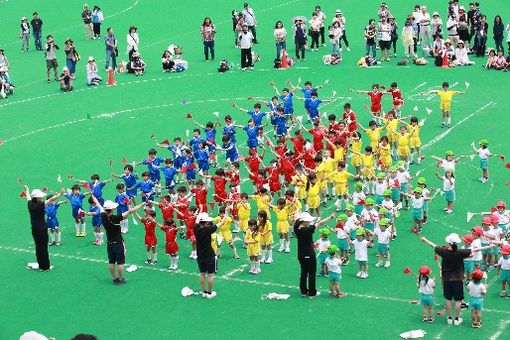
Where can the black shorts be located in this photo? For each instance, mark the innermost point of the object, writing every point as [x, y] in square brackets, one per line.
[453, 290]
[207, 265]
[384, 45]
[116, 253]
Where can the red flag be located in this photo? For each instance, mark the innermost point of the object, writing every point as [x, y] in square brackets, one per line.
[379, 162]
[125, 200]
[440, 312]
[407, 270]
[165, 142]
[361, 202]
[396, 183]
[507, 165]
[268, 142]
[44, 189]
[81, 213]
[184, 169]
[123, 160]
[507, 183]
[413, 302]
[149, 160]
[192, 166]
[1, 142]
[19, 180]
[86, 186]
[23, 194]
[502, 157]
[188, 115]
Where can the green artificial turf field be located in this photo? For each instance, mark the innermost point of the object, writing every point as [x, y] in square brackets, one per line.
[47, 133]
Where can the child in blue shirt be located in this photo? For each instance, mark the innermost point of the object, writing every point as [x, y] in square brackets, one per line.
[129, 179]
[202, 155]
[280, 122]
[122, 199]
[95, 212]
[286, 97]
[75, 197]
[146, 187]
[169, 171]
[210, 138]
[52, 221]
[96, 186]
[152, 160]
[229, 129]
[189, 167]
[231, 151]
[273, 107]
[178, 149]
[252, 131]
[194, 143]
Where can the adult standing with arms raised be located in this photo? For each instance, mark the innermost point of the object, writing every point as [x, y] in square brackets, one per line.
[132, 42]
[206, 257]
[452, 273]
[208, 31]
[304, 230]
[249, 19]
[36, 24]
[114, 240]
[36, 208]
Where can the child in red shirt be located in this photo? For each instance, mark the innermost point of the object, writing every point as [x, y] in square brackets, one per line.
[200, 193]
[350, 118]
[317, 133]
[171, 247]
[151, 241]
[190, 234]
[220, 183]
[182, 204]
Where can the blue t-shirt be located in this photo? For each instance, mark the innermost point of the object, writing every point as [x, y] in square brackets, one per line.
[231, 150]
[230, 130]
[169, 172]
[287, 100]
[252, 132]
[156, 161]
[195, 142]
[313, 105]
[202, 155]
[51, 211]
[273, 107]
[210, 135]
[257, 116]
[97, 189]
[280, 121]
[76, 200]
[96, 219]
[307, 93]
[122, 200]
[145, 186]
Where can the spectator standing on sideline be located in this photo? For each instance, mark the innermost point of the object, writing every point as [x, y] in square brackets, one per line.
[245, 39]
[370, 33]
[322, 19]
[249, 19]
[300, 39]
[132, 42]
[315, 31]
[452, 273]
[111, 49]
[24, 35]
[385, 41]
[436, 26]
[36, 207]
[206, 257]
[481, 36]
[36, 24]
[72, 56]
[425, 32]
[208, 31]
[51, 57]
[97, 19]
[4, 62]
[86, 16]
[280, 35]
[114, 240]
[339, 17]
[497, 31]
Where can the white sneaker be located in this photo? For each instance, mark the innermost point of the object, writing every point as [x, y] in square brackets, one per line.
[358, 274]
[457, 321]
[378, 264]
[269, 260]
[348, 49]
[316, 294]
[448, 211]
[387, 265]
[364, 275]
[262, 259]
[282, 248]
[449, 321]
[191, 256]
[287, 250]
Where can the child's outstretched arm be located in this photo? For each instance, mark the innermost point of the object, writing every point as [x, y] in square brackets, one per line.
[132, 210]
[324, 221]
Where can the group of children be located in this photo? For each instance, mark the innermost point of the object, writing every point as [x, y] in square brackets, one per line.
[305, 174]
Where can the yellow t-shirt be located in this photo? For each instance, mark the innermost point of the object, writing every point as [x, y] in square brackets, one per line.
[330, 164]
[341, 177]
[445, 99]
[253, 249]
[225, 226]
[261, 202]
[339, 153]
[368, 161]
[374, 135]
[393, 125]
[243, 211]
[403, 140]
[321, 171]
[314, 189]
[282, 214]
[293, 207]
[416, 128]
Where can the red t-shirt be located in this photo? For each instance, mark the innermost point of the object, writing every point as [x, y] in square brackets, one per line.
[150, 227]
[318, 135]
[170, 233]
[182, 211]
[350, 116]
[299, 143]
[375, 98]
[220, 182]
[166, 210]
[397, 96]
[200, 195]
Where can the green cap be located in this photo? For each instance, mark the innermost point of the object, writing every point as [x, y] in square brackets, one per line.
[401, 164]
[484, 142]
[386, 192]
[392, 168]
[324, 231]
[448, 153]
[342, 217]
[358, 185]
[349, 207]
[383, 210]
[384, 221]
[360, 232]
[332, 249]
[381, 175]
[422, 180]
[370, 200]
[418, 190]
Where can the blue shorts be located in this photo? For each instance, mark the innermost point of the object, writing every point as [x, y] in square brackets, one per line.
[504, 275]
[155, 177]
[475, 303]
[132, 193]
[469, 266]
[233, 158]
[169, 184]
[334, 277]
[361, 262]
[425, 207]
[404, 187]
[116, 252]
[281, 130]
[203, 165]
[417, 214]
[314, 114]
[369, 226]
[343, 244]
[178, 162]
[395, 195]
[378, 199]
[252, 143]
[147, 196]
[52, 223]
[426, 299]
[449, 195]
[323, 257]
[358, 208]
[75, 212]
[484, 164]
[191, 175]
[382, 248]
[288, 111]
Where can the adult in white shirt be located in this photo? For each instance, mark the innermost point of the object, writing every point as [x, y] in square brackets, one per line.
[245, 39]
[322, 19]
[280, 35]
[132, 42]
[425, 32]
[249, 19]
[339, 17]
[452, 26]
[385, 39]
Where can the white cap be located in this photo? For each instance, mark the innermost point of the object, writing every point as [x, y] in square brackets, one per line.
[204, 217]
[452, 238]
[110, 205]
[32, 335]
[91, 58]
[306, 217]
[38, 193]
[434, 14]
[462, 7]
[65, 68]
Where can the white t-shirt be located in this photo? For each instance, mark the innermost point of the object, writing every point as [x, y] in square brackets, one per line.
[360, 250]
[357, 197]
[380, 187]
[341, 233]
[383, 236]
[476, 289]
[504, 264]
[369, 215]
[322, 245]
[334, 264]
[421, 17]
[477, 255]
[245, 39]
[280, 34]
[388, 204]
[447, 186]
[427, 288]
[447, 165]
[403, 176]
[417, 202]
[351, 223]
[425, 192]
[484, 153]
[385, 30]
[249, 17]
[504, 218]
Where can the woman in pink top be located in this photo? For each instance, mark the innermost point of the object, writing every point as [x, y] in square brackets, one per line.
[208, 31]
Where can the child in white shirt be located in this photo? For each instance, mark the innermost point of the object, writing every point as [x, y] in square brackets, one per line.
[361, 253]
[383, 243]
[322, 245]
[334, 265]
[504, 269]
[477, 291]
[484, 154]
[426, 286]
[448, 189]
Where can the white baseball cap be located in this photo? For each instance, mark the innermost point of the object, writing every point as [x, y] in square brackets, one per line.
[204, 217]
[110, 205]
[452, 238]
[306, 217]
[38, 193]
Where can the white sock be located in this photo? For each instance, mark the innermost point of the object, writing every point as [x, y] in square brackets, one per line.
[101, 237]
[270, 254]
[176, 260]
[52, 237]
[83, 227]
[257, 265]
[154, 257]
[449, 120]
[282, 242]
[252, 264]
[59, 237]
[77, 226]
[96, 237]
[148, 255]
[287, 244]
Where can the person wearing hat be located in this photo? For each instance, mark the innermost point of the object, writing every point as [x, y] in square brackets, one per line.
[250, 21]
[112, 52]
[304, 228]
[51, 57]
[461, 55]
[426, 286]
[114, 240]
[132, 42]
[476, 290]
[339, 17]
[452, 27]
[36, 24]
[334, 266]
[423, 19]
[436, 26]
[206, 257]
[24, 35]
[36, 208]
[66, 80]
[93, 78]
[484, 154]
[72, 56]
[86, 16]
[504, 269]
[299, 29]
[452, 272]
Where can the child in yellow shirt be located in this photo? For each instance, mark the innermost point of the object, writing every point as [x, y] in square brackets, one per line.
[224, 222]
[445, 102]
[282, 211]
[266, 236]
[252, 241]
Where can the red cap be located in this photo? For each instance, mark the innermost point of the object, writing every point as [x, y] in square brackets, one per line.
[424, 270]
[486, 220]
[477, 231]
[468, 238]
[501, 204]
[505, 250]
[477, 274]
[494, 219]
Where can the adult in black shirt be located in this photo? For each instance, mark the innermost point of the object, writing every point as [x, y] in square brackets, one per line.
[114, 241]
[452, 273]
[36, 207]
[206, 257]
[36, 24]
[304, 231]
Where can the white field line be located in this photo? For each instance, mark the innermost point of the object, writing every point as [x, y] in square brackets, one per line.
[223, 278]
[419, 85]
[502, 326]
[234, 271]
[456, 125]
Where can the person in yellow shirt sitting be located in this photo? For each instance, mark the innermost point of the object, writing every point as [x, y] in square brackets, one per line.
[224, 222]
[266, 236]
[252, 241]
[445, 102]
[340, 177]
[282, 211]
